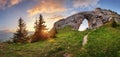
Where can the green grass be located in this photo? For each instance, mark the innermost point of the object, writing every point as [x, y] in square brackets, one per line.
[102, 42]
[66, 41]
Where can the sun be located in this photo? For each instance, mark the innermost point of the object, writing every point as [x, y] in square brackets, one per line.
[45, 31]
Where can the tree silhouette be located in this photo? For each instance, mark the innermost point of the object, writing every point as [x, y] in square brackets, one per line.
[40, 30]
[21, 34]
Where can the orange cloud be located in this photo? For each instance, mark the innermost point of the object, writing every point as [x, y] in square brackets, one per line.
[54, 10]
[47, 6]
[56, 17]
[8, 3]
[14, 2]
[7, 30]
[51, 20]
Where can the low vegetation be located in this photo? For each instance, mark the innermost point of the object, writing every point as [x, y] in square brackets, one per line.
[102, 42]
[66, 41]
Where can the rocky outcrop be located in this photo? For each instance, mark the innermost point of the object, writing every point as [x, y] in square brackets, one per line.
[117, 19]
[95, 18]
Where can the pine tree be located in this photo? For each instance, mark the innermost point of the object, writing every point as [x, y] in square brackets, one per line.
[40, 29]
[21, 34]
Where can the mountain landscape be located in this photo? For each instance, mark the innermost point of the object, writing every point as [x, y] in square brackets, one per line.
[101, 39]
[59, 28]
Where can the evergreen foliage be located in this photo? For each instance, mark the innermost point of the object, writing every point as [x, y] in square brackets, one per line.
[21, 34]
[40, 30]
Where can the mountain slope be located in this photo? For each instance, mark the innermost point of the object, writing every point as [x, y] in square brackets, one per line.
[63, 43]
[102, 42]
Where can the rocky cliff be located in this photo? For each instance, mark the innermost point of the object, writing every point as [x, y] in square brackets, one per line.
[95, 18]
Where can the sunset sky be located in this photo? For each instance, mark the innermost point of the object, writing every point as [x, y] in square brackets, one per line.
[52, 10]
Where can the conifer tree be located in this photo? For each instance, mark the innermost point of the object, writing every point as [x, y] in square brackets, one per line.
[21, 34]
[40, 29]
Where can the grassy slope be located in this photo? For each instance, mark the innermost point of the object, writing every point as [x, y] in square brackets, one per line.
[66, 41]
[102, 42]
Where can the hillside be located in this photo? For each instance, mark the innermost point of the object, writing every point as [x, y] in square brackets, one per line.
[102, 42]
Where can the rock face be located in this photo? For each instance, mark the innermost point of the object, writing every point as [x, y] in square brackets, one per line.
[95, 18]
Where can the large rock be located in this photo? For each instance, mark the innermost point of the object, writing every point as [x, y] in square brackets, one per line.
[95, 18]
[117, 20]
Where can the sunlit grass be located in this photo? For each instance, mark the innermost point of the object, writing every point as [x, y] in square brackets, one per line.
[102, 42]
[63, 43]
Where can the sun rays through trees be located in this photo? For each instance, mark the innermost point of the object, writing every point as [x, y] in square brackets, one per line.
[40, 30]
[40, 33]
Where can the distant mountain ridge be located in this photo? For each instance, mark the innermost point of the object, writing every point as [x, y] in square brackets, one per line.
[4, 36]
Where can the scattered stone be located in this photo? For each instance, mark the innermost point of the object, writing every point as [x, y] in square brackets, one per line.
[85, 40]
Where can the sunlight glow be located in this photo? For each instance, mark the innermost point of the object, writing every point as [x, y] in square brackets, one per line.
[30, 26]
[45, 31]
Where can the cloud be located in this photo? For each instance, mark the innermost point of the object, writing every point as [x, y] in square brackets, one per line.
[73, 12]
[85, 3]
[2, 3]
[14, 2]
[56, 6]
[47, 6]
[7, 30]
[8, 3]
[56, 17]
[54, 10]
[84, 25]
[50, 20]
